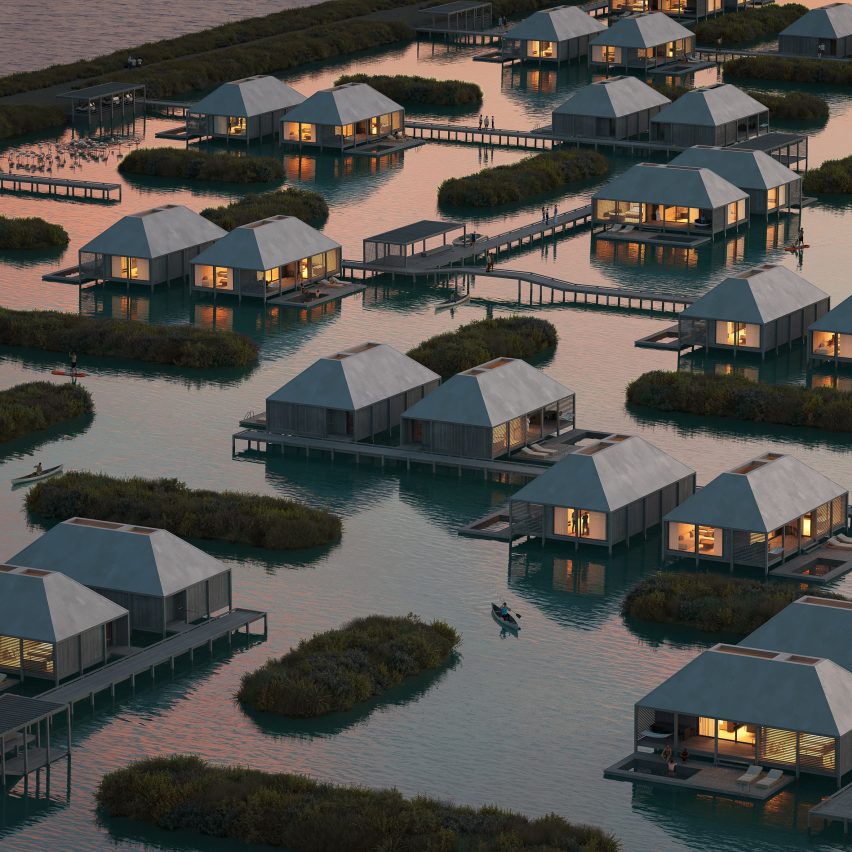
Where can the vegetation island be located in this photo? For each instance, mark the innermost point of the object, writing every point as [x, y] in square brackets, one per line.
[34, 406]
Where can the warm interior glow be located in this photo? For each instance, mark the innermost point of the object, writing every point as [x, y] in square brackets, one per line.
[682, 537]
[806, 526]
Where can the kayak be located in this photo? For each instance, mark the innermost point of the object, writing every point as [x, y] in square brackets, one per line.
[76, 374]
[452, 303]
[795, 248]
[35, 477]
[507, 623]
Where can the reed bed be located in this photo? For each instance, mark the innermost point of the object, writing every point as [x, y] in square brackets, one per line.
[31, 232]
[408, 90]
[202, 166]
[304, 204]
[34, 406]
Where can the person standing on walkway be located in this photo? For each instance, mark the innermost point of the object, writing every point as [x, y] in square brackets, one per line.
[485, 123]
[543, 213]
[480, 122]
[801, 237]
[555, 211]
[493, 123]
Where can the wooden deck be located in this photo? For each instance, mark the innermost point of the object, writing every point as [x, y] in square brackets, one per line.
[818, 566]
[836, 808]
[59, 187]
[146, 660]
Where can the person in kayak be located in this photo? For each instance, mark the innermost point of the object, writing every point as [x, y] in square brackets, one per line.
[504, 611]
[37, 470]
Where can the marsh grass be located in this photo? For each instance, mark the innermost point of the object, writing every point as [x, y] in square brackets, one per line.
[34, 406]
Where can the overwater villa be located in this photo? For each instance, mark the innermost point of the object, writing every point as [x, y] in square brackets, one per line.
[655, 197]
[826, 31]
[163, 581]
[757, 515]
[151, 247]
[603, 494]
[352, 395]
[342, 117]
[266, 258]
[54, 627]
[642, 42]
[770, 185]
[551, 35]
[489, 411]
[242, 110]
[456, 16]
[615, 108]
[757, 311]
[830, 337]
[720, 114]
[686, 9]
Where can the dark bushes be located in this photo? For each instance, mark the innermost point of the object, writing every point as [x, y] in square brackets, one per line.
[736, 396]
[833, 177]
[33, 406]
[480, 341]
[179, 345]
[294, 812]
[338, 669]
[201, 165]
[710, 602]
[748, 25]
[407, 89]
[789, 70]
[31, 233]
[522, 180]
[308, 206]
[270, 522]
[18, 119]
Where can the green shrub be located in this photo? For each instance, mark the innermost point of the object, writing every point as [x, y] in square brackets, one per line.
[271, 522]
[201, 165]
[406, 89]
[833, 177]
[183, 792]
[710, 602]
[789, 70]
[338, 669]
[480, 341]
[737, 396]
[31, 233]
[748, 25]
[33, 406]
[308, 206]
[525, 179]
[18, 119]
[179, 345]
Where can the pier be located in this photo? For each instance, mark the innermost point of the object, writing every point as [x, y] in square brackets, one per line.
[836, 808]
[19, 716]
[60, 187]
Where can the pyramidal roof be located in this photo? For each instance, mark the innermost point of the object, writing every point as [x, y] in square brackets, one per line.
[759, 496]
[119, 557]
[648, 30]
[830, 22]
[489, 395]
[559, 24]
[605, 476]
[711, 106]
[46, 606]
[758, 295]
[341, 105]
[742, 167]
[248, 97]
[265, 244]
[156, 232]
[612, 98]
[355, 378]
[837, 319]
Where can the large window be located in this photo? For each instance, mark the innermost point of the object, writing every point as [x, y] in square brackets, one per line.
[579, 523]
[844, 345]
[731, 731]
[271, 278]
[776, 197]
[516, 432]
[346, 130]
[499, 439]
[542, 49]
[332, 263]
[824, 343]
[739, 334]
[130, 268]
[709, 541]
[297, 132]
[38, 656]
[682, 537]
[237, 125]
[318, 266]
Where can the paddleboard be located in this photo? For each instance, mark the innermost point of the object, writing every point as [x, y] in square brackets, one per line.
[77, 374]
[796, 248]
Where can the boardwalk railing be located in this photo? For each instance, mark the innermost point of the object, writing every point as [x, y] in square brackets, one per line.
[59, 187]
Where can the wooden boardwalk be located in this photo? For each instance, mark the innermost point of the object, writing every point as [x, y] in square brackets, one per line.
[59, 187]
[836, 808]
[147, 659]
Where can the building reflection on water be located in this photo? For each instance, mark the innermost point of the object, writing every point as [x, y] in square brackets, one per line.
[788, 366]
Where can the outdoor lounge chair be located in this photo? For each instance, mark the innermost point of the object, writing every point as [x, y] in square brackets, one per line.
[539, 449]
[653, 735]
[750, 776]
[770, 779]
[837, 543]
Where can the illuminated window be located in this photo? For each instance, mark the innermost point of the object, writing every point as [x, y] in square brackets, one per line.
[237, 125]
[130, 268]
[346, 130]
[709, 541]
[498, 439]
[682, 537]
[824, 342]
[740, 334]
[807, 525]
[332, 264]
[318, 266]
[579, 523]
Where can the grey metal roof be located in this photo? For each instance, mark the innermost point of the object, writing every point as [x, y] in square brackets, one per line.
[814, 698]
[18, 711]
[101, 90]
[754, 170]
[838, 319]
[816, 627]
[760, 501]
[606, 479]
[341, 105]
[488, 395]
[155, 233]
[612, 98]
[415, 232]
[354, 378]
[668, 184]
[120, 557]
[248, 97]
[829, 22]
[638, 31]
[770, 141]
[266, 244]
[711, 106]
[456, 6]
[49, 607]
[559, 24]
[757, 295]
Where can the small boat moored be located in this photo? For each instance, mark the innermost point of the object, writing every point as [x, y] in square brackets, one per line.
[507, 622]
[469, 239]
[460, 299]
[36, 477]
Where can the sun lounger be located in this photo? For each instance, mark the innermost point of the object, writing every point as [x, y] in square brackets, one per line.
[653, 735]
[539, 449]
[838, 544]
[750, 776]
[844, 538]
[770, 779]
[532, 454]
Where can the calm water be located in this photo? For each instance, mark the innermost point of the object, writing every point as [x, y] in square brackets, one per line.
[555, 705]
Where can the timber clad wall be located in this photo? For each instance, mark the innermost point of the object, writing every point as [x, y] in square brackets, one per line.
[592, 127]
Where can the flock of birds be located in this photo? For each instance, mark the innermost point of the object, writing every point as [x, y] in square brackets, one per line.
[50, 157]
